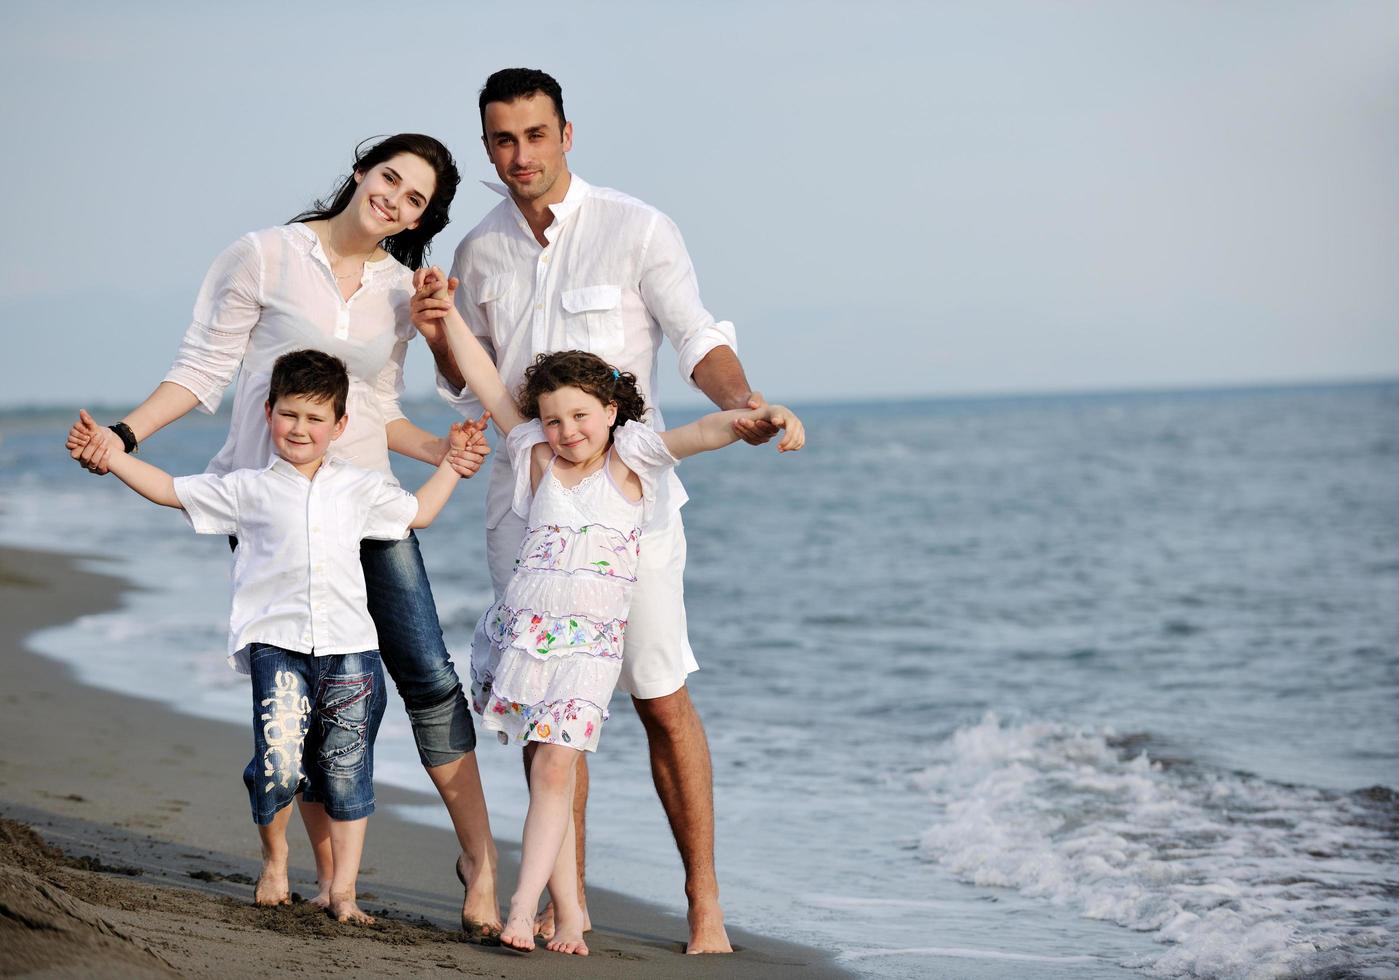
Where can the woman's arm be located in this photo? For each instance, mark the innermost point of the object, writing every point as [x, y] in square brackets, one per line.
[164, 405]
[716, 430]
[149, 481]
[476, 366]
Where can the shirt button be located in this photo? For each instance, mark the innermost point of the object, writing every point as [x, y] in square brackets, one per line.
[539, 306]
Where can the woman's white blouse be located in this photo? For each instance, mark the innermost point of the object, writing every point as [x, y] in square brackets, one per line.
[271, 292]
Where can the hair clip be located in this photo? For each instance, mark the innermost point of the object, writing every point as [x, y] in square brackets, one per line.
[616, 374]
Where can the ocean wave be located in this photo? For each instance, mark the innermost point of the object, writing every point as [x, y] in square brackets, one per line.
[1235, 876]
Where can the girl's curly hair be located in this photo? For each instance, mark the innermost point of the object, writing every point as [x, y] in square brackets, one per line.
[585, 371]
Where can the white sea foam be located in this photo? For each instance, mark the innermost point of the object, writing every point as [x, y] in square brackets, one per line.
[1237, 877]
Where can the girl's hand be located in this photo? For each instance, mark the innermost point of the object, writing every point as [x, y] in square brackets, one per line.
[794, 435]
[754, 431]
[432, 300]
[91, 444]
[467, 447]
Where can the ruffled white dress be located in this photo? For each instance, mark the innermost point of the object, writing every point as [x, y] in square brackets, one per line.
[545, 658]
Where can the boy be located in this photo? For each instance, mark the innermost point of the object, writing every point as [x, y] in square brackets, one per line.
[299, 624]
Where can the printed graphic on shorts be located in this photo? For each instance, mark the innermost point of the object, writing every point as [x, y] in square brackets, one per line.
[284, 721]
[344, 713]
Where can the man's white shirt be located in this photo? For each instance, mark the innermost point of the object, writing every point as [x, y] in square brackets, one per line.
[297, 580]
[615, 279]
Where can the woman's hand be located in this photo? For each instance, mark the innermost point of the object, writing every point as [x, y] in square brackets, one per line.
[467, 447]
[432, 300]
[92, 444]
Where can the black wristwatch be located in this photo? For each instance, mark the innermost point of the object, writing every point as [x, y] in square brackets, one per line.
[128, 438]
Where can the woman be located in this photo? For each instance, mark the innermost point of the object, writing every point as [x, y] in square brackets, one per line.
[338, 278]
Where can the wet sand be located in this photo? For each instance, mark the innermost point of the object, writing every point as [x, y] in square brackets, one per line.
[127, 850]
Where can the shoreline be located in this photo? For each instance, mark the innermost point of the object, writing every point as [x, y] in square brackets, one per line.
[147, 803]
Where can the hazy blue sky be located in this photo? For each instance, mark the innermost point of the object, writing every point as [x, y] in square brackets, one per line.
[886, 198]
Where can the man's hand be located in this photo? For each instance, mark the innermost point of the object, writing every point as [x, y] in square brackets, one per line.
[432, 300]
[91, 444]
[467, 447]
[755, 432]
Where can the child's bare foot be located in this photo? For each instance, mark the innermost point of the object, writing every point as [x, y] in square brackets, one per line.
[480, 914]
[544, 921]
[519, 930]
[568, 941]
[344, 908]
[707, 934]
[272, 886]
[322, 897]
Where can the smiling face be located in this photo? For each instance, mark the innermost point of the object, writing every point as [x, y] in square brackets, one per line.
[526, 145]
[393, 195]
[577, 425]
[302, 429]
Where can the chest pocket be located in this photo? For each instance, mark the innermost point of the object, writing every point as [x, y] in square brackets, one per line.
[592, 319]
[493, 297]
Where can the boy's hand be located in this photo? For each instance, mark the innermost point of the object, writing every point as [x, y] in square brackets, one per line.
[91, 444]
[784, 418]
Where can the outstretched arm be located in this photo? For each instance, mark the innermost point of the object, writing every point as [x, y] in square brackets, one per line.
[434, 494]
[166, 404]
[719, 429]
[149, 481]
[476, 366]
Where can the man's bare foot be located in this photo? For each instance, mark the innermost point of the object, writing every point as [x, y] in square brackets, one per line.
[519, 931]
[544, 921]
[568, 941]
[322, 897]
[480, 913]
[345, 909]
[272, 886]
[707, 933]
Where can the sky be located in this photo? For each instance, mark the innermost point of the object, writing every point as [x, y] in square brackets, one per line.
[888, 199]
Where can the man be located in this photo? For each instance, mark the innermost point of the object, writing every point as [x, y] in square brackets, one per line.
[559, 265]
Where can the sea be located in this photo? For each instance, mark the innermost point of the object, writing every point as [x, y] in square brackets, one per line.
[1071, 686]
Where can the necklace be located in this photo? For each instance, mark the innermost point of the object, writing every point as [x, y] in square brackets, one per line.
[333, 260]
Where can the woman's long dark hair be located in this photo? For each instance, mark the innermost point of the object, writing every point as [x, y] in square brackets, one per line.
[411, 245]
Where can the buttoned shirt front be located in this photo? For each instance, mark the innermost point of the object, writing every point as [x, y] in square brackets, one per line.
[271, 292]
[614, 279]
[297, 580]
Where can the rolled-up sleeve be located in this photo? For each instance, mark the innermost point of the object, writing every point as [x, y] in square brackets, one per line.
[210, 502]
[671, 293]
[225, 312]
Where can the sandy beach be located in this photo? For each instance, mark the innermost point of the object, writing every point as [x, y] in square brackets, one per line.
[126, 847]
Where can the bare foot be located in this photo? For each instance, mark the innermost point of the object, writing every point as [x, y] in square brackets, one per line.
[544, 921]
[568, 941]
[480, 913]
[707, 933]
[322, 898]
[272, 886]
[519, 931]
[345, 909]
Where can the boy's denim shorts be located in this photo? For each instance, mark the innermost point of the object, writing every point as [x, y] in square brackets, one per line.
[314, 724]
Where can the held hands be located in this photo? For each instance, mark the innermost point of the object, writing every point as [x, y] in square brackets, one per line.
[778, 417]
[92, 444]
[466, 446]
[432, 300]
[756, 430]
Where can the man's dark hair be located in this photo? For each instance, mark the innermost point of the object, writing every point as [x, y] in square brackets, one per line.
[510, 84]
[310, 374]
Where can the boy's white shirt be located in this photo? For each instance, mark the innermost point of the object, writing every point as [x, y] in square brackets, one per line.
[297, 580]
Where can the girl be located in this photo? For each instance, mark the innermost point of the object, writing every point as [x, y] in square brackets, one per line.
[338, 278]
[546, 657]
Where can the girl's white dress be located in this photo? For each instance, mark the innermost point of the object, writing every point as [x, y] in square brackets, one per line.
[545, 658]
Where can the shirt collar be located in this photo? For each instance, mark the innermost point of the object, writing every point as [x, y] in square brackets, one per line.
[275, 462]
[310, 243]
[578, 190]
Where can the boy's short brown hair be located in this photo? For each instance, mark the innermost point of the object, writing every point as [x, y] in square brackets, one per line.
[310, 374]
